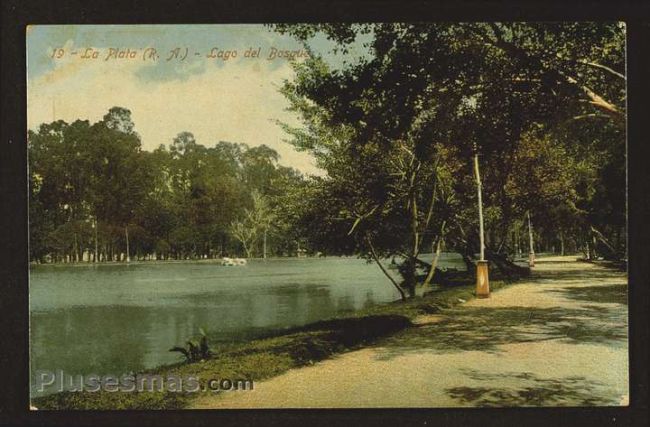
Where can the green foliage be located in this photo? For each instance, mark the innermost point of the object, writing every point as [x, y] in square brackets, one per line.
[91, 184]
[394, 129]
[196, 350]
[543, 104]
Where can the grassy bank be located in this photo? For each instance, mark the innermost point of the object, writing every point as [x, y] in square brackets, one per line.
[265, 358]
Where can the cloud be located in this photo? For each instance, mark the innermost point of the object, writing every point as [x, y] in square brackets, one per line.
[237, 101]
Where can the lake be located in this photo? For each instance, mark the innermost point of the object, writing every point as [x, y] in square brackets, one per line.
[117, 318]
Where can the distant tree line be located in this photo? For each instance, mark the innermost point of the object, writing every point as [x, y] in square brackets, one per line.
[96, 196]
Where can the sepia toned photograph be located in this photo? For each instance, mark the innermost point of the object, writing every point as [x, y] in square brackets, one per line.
[327, 215]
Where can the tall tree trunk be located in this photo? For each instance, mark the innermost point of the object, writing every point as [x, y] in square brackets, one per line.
[600, 237]
[408, 272]
[126, 234]
[264, 246]
[531, 244]
[96, 226]
[434, 262]
[74, 247]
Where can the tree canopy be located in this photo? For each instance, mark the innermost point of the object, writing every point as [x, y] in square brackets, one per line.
[541, 103]
[175, 202]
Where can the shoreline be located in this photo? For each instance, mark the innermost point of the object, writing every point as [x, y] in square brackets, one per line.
[179, 261]
[518, 259]
[277, 353]
[559, 338]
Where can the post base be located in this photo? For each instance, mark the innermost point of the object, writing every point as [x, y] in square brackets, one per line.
[482, 280]
[531, 259]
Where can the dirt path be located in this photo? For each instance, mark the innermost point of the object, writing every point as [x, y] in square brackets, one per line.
[559, 339]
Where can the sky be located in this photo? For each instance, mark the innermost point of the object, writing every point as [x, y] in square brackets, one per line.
[217, 99]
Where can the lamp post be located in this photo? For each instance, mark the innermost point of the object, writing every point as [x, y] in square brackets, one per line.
[482, 280]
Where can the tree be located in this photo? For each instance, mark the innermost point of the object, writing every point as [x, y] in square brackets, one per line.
[424, 87]
[119, 182]
[184, 143]
[119, 119]
[91, 186]
[254, 222]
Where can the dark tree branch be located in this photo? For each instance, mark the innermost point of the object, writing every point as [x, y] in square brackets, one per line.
[381, 267]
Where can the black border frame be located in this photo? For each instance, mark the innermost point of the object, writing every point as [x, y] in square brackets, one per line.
[14, 353]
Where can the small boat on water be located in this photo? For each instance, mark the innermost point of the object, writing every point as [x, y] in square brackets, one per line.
[233, 261]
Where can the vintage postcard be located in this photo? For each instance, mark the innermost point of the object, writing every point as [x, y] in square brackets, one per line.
[373, 215]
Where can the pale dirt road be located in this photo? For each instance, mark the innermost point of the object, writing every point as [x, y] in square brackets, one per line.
[559, 339]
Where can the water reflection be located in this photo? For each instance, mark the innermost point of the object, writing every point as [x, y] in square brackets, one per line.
[113, 319]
